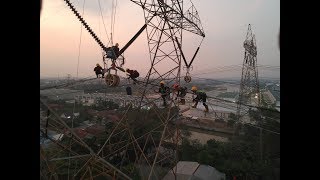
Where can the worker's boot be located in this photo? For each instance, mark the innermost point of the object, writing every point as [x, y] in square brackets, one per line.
[195, 105]
[207, 109]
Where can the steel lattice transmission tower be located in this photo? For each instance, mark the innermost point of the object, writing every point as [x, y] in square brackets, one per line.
[249, 93]
[167, 21]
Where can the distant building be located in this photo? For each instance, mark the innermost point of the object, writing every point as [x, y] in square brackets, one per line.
[66, 116]
[187, 170]
[57, 94]
[268, 97]
[278, 106]
[88, 130]
[71, 101]
[52, 136]
[76, 114]
[57, 137]
[95, 129]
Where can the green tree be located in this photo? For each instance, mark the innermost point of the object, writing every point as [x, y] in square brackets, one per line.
[203, 157]
[232, 118]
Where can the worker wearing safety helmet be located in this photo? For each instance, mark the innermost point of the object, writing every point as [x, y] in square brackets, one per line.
[133, 74]
[175, 89]
[165, 91]
[175, 86]
[181, 92]
[113, 52]
[99, 70]
[200, 96]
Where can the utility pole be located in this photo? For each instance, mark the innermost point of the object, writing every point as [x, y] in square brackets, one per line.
[68, 78]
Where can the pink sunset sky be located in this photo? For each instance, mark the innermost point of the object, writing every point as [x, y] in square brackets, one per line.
[225, 24]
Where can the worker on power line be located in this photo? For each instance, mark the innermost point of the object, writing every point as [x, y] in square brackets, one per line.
[165, 91]
[99, 70]
[175, 88]
[181, 92]
[113, 52]
[200, 96]
[133, 74]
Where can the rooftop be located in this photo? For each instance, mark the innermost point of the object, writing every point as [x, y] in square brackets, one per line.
[187, 170]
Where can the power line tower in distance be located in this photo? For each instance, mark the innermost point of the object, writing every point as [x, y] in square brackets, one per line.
[249, 93]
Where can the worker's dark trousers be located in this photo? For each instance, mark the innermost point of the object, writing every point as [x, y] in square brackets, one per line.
[102, 74]
[164, 100]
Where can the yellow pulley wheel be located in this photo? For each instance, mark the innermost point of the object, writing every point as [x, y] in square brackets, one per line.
[187, 79]
[111, 79]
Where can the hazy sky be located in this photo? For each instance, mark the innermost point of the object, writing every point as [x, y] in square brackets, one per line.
[225, 24]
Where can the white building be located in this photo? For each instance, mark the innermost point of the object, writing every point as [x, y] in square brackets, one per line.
[268, 97]
[187, 170]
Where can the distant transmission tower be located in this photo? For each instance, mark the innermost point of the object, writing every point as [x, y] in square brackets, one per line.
[68, 78]
[249, 93]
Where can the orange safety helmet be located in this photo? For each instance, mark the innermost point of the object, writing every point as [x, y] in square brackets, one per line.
[175, 86]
